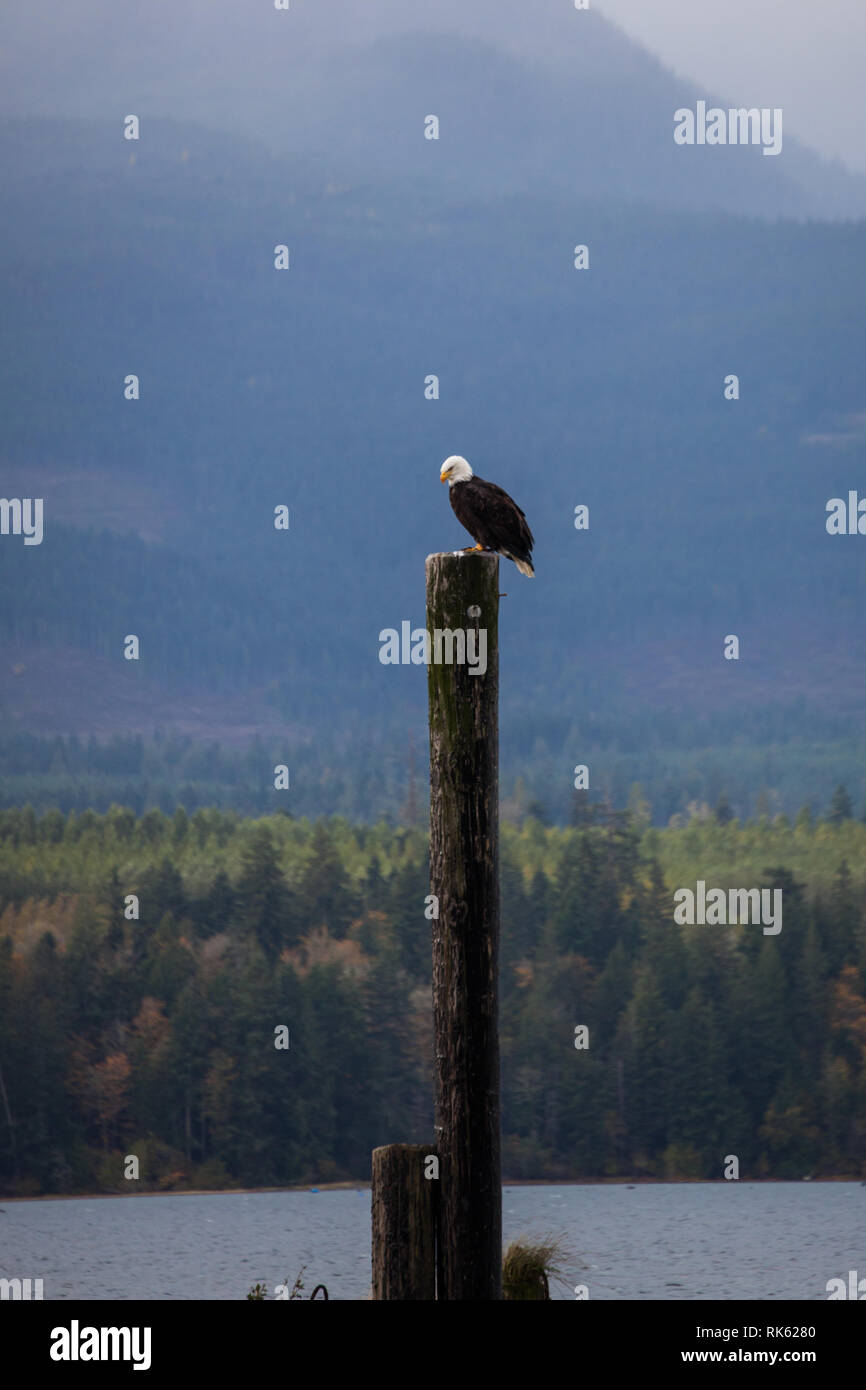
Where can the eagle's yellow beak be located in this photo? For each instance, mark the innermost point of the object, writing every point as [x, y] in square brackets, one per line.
[443, 477]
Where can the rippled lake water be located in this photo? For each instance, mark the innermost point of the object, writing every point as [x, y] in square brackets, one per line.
[671, 1241]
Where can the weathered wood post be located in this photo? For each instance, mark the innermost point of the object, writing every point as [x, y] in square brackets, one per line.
[463, 685]
[404, 1240]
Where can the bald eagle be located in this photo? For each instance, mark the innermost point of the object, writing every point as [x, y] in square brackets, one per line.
[491, 517]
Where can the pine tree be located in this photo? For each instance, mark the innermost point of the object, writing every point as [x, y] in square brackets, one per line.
[517, 938]
[612, 993]
[586, 913]
[697, 1092]
[664, 947]
[761, 1043]
[161, 891]
[264, 901]
[804, 818]
[407, 891]
[538, 901]
[841, 806]
[809, 1006]
[645, 1044]
[215, 912]
[842, 921]
[582, 809]
[326, 898]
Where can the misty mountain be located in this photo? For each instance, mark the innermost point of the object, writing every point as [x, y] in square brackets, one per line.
[306, 388]
[528, 98]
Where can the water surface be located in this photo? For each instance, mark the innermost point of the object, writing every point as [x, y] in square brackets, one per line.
[669, 1241]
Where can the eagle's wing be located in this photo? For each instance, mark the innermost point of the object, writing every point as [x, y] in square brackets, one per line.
[497, 494]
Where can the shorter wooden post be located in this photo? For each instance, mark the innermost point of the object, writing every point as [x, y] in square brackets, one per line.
[404, 1227]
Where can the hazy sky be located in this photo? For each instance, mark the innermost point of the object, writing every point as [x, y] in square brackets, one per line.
[807, 56]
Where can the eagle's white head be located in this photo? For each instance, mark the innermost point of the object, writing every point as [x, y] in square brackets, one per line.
[455, 470]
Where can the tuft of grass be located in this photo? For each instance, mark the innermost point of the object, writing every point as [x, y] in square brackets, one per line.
[297, 1287]
[528, 1266]
[259, 1292]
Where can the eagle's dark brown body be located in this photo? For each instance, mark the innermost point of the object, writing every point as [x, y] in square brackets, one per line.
[494, 520]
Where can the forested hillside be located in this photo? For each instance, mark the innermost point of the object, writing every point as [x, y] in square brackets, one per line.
[669, 764]
[155, 1036]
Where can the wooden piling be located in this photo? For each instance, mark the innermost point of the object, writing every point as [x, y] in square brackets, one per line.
[404, 1246]
[463, 594]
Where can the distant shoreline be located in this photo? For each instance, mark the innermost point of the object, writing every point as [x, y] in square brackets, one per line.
[364, 1185]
